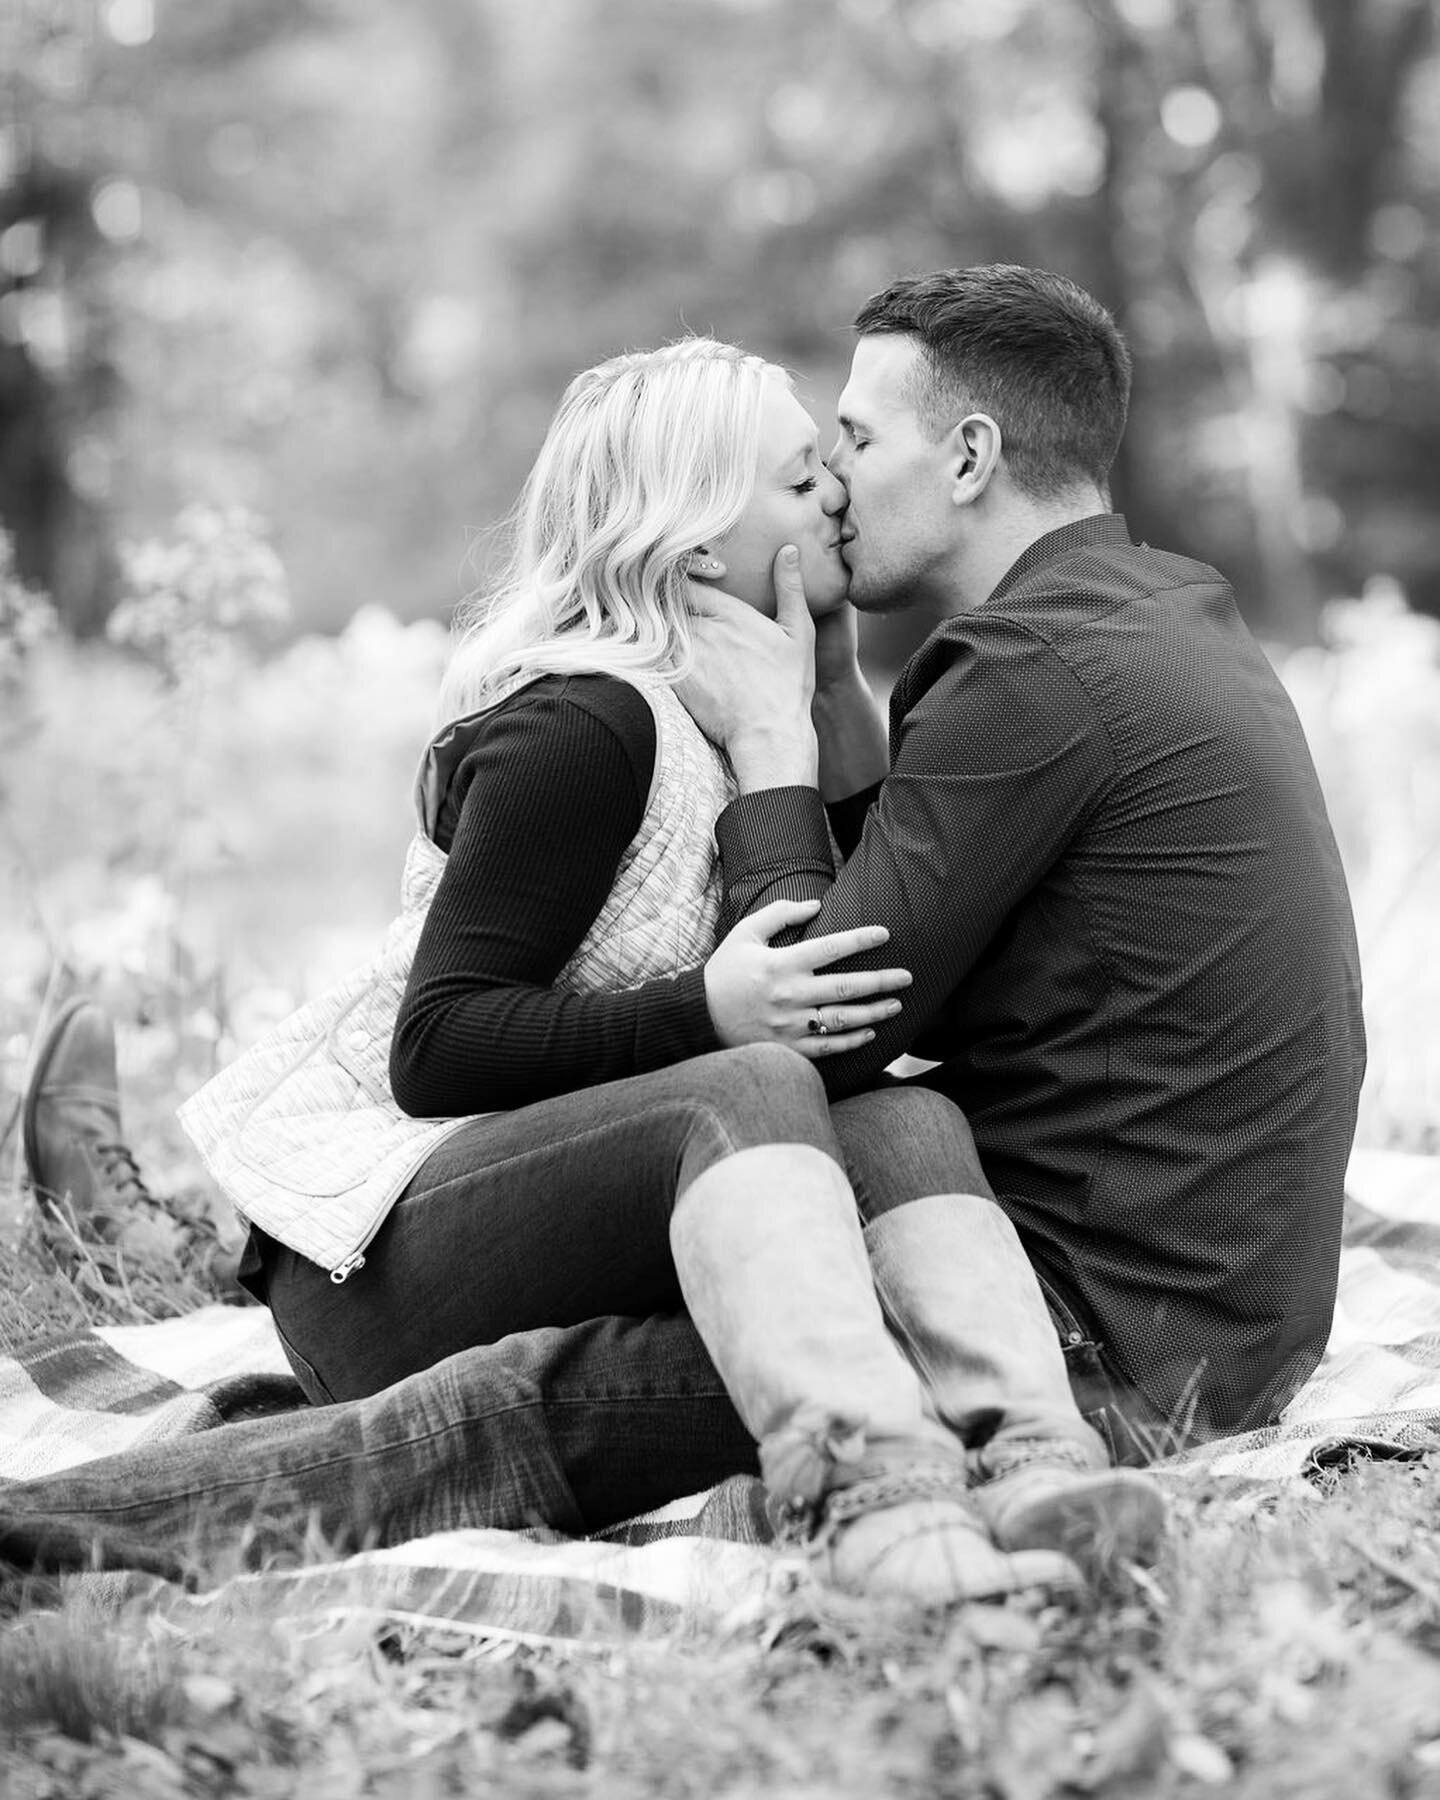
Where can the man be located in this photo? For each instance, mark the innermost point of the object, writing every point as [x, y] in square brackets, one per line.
[1099, 844]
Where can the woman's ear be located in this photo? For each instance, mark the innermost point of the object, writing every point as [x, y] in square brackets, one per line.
[705, 567]
[976, 445]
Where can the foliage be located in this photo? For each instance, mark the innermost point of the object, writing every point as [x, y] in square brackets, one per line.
[26, 618]
[334, 263]
[84, 1685]
[1370, 703]
[1286, 1648]
[216, 577]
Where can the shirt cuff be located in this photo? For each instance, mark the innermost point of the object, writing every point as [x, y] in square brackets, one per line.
[847, 817]
[773, 830]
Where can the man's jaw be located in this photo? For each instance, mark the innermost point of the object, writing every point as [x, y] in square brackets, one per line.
[876, 598]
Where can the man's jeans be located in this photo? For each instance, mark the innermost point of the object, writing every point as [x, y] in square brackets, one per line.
[573, 1429]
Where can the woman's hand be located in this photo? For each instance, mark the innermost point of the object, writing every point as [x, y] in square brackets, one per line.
[760, 995]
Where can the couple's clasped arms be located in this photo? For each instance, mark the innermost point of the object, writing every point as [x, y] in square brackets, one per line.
[592, 1189]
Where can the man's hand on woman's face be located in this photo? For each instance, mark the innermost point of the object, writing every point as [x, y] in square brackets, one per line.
[754, 679]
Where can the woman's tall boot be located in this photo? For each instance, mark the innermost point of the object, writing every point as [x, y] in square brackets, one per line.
[772, 1264]
[963, 1301]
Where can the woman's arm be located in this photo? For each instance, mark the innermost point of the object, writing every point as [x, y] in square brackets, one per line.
[555, 788]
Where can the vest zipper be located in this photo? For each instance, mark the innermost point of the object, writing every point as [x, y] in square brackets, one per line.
[347, 1266]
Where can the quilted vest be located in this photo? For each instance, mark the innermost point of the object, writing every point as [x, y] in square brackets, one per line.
[302, 1132]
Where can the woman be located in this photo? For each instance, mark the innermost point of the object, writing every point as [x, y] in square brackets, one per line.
[600, 1111]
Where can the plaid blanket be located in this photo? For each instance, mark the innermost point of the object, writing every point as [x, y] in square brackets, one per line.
[704, 1559]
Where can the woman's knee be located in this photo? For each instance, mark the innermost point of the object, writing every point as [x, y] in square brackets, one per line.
[757, 1094]
[753, 1075]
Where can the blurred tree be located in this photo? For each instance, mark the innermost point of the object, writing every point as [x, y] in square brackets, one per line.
[56, 373]
[1253, 159]
[334, 260]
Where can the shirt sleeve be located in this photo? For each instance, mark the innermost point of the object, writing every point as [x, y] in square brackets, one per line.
[555, 788]
[992, 768]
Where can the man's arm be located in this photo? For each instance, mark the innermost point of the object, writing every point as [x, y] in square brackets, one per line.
[994, 766]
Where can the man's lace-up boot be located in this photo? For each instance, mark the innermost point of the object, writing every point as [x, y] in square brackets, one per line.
[772, 1265]
[963, 1301]
[85, 1176]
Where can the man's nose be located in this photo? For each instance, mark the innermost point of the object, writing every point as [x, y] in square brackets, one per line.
[835, 461]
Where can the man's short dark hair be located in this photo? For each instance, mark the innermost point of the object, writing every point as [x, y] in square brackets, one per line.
[1036, 352]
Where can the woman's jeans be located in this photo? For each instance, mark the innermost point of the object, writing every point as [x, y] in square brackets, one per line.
[560, 1212]
[575, 1425]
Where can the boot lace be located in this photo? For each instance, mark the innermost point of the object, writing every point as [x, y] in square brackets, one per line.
[892, 1487]
[797, 1464]
[1007, 1456]
[820, 1474]
[122, 1172]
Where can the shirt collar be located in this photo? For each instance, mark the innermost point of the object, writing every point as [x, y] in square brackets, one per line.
[1100, 528]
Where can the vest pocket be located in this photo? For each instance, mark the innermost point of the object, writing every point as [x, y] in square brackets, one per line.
[321, 1122]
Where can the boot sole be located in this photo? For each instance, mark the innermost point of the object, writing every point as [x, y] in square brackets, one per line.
[1100, 1522]
[950, 1574]
[44, 1056]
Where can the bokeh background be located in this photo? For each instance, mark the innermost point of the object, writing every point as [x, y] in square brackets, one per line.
[289, 288]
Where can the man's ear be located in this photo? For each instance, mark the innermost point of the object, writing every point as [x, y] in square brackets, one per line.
[976, 448]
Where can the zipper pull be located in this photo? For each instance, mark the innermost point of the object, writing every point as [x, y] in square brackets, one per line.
[343, 1271]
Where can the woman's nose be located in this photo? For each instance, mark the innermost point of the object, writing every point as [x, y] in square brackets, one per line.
[836, 496]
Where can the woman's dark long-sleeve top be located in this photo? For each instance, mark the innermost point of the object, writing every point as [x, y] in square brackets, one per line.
[544, 795]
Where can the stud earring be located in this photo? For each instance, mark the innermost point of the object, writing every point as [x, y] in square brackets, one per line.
[707, 565]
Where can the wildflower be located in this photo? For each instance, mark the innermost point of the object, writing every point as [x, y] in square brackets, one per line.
[26, 616]
[214, 579]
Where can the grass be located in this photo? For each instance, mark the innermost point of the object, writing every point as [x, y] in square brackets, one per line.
[1275, 1655]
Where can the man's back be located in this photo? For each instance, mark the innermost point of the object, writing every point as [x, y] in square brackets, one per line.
[1160, 1048]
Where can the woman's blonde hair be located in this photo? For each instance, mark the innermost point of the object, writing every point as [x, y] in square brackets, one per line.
[649, 455]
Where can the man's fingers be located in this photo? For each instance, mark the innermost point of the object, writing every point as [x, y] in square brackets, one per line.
[706, 601]
[791, 612]
[701, 600]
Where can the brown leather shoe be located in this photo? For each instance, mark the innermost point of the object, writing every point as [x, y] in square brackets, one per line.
[74, 1148]
[91, 1196]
